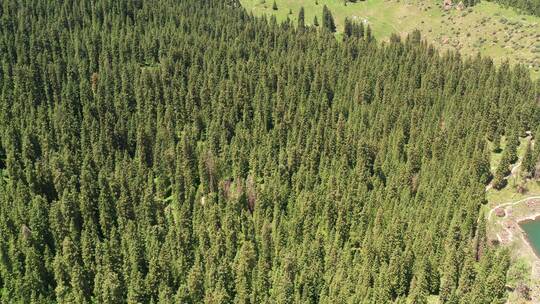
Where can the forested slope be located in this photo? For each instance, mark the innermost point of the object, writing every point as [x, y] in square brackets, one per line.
[489, 28]
[184, 151]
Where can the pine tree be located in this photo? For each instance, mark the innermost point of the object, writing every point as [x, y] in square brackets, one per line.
[512, 146]
[480, 240]
[328, 20]
[497, 278]
[449, 278]
[508, 157]
[245, 263]
[367, 35]
[301, 17]
[420, 287]
[496, 142]
[467, 276]
[111, 292]
[528, 163]
[2, 155]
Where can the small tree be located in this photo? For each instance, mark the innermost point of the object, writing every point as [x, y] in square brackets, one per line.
[502, 171]
[315, 21]
[274, 6]
[328, 20]
[496, 142]
[528, 161]
[301, 19]
[367, 35]
[2, 156]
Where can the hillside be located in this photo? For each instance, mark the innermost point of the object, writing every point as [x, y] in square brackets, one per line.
[489, 28]
[165, 151]
[516, 200]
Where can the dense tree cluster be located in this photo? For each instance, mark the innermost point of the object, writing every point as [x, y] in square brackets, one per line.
[531, 7]
[531, 157]
[184, 151]
[509, 157]
[469, 3]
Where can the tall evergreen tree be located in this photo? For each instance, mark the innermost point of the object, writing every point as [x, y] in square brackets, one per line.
[301, 19]
[328, 20]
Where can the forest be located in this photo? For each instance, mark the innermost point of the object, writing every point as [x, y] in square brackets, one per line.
[184, 151]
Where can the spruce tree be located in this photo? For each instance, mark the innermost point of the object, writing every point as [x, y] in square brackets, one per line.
[528, 163]
[328, 20]
[301, 17]
[496, 142]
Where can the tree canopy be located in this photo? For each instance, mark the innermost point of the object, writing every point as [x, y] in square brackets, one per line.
[185, 151]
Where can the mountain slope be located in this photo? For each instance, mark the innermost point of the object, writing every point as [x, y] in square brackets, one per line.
[488, 28]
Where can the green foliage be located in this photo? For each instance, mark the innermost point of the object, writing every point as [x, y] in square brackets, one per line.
[469, 3]
[2, 156]
[200, 154]
[531, 7]
[352, 29]
[301, 19]
[509, 156]
[496, 142]
[528, 162]
[516, 39]
[518, 273]
[327, 20]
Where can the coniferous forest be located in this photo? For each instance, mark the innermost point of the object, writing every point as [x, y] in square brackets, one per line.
[184, 151]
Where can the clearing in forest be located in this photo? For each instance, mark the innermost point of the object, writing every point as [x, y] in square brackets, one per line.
[506, 208]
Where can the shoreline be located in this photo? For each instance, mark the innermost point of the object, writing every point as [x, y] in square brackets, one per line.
[524, 236]
[518, 220]
[531, 218]
[510, 234]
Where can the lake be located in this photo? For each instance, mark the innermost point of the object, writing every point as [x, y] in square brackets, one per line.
[532, 228]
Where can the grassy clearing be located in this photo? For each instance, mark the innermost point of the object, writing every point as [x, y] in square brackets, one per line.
[523, 258]
[488, 28]
[495, 158]
[3, 175]
[433, 299]
[509, 193]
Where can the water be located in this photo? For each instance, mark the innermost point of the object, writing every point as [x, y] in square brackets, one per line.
[532, 228]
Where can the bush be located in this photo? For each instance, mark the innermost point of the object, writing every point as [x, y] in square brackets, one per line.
[499, 182]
